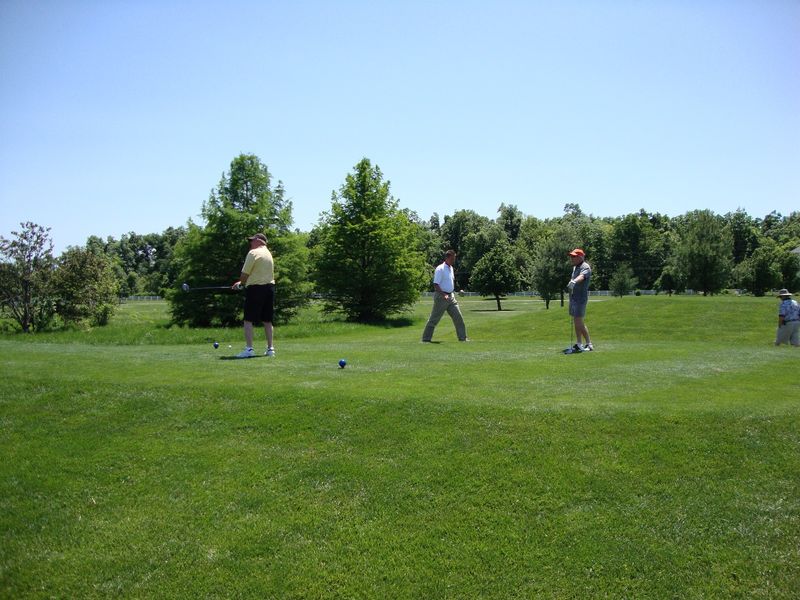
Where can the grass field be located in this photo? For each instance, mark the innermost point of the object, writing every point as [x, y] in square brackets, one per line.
[139, 462]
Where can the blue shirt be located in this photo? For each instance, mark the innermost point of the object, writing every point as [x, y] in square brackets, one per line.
[789, 310]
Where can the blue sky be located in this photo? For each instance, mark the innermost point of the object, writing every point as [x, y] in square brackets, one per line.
[119, 116]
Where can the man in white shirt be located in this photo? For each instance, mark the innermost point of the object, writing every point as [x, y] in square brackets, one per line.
[444, 299]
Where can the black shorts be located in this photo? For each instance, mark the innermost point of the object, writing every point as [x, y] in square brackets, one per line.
[259, 303]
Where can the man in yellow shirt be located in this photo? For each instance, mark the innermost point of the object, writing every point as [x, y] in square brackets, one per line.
[258, 277]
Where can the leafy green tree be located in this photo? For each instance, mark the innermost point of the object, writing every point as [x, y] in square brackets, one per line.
[454, 231]
[496, 273]
[744, 233]
[551, 267]
[244, 202]
[623, 281]
[510, 219]
[85, 287]
[637, 243]
[784, 230]
[705, 251]
[368, 265]
[761, 271]
[474, 246]
[790, 269]
[671, 279]
[26, 272]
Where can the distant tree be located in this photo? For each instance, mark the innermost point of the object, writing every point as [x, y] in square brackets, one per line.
[531, 232]
[784, 230]
[510, 219]
[636, 243]
[368, 265]
[761, 271]
[744, 233]
[26, 272]
[244, 202]
[551, 268]
[623, 281]
[85, 287]
[474, 246]
[671, 279]
[705, 251]
[790, 268]
[429, 239]
[454, 231]
[496, 273]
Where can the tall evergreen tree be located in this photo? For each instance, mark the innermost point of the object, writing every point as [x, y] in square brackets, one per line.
[368, 265]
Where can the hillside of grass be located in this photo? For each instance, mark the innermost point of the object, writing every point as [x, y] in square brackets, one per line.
[142, 462]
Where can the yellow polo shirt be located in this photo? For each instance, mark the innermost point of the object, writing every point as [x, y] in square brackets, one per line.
[259, 266]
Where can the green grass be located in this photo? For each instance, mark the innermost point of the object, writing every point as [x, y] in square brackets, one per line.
[139, 463]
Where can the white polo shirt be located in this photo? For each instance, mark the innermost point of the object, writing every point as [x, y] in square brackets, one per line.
[443, 277]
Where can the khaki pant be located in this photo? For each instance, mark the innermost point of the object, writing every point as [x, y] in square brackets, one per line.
[788, 333]
[440, 305]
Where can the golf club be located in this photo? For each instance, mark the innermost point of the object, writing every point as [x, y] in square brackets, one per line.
[569, 349]
[186, 288]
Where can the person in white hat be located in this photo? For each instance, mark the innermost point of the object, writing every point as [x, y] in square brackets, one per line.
[788, 320]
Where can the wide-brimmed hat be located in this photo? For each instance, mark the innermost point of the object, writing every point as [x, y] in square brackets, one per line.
[258, 236]
[784, 292]
[577, 252]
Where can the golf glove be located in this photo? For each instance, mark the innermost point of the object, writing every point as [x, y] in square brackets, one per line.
[571, 284]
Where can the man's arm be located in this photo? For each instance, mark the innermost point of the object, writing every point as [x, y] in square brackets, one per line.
[242, 281]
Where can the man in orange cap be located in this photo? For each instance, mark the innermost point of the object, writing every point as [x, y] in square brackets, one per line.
[579, 297]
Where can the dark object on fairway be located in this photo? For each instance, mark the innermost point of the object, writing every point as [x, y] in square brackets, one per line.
[185, 287]
[573, 350]
[342, 364]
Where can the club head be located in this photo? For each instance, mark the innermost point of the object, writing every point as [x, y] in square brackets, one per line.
[185, 287]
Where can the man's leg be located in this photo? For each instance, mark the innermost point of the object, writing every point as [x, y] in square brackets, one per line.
[268, 332]
[439, 306]
[248, 334]
[455, 313]
[581, 331]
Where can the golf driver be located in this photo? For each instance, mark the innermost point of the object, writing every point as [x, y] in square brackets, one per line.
[186, 288]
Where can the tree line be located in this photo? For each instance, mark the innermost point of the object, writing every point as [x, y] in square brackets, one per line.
[367, 258]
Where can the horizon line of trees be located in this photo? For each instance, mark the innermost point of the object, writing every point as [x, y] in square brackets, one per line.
[368, 258]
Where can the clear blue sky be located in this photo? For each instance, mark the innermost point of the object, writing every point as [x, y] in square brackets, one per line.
[119, 116]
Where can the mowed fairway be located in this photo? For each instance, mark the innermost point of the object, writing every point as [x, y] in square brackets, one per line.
[138, 462]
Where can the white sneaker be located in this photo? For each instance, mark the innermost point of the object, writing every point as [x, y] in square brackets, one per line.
[246, 353]
[270, 352]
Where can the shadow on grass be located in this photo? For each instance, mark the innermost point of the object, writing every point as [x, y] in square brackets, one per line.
[393, 323]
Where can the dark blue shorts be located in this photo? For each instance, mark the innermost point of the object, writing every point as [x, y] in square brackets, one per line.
[259, 303]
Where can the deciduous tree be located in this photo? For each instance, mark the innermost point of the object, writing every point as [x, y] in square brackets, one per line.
[26, 271]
